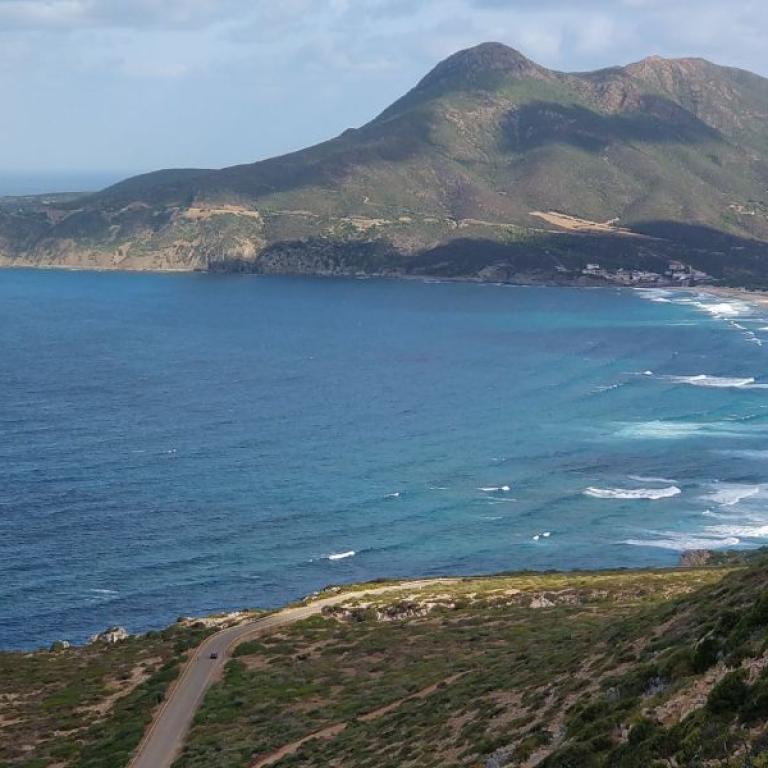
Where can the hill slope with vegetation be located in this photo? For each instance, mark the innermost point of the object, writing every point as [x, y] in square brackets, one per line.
[619, 669]
[469, 174]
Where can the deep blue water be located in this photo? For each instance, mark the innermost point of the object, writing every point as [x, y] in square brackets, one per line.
[183, 444]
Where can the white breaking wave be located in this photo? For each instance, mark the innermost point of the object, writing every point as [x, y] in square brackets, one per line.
[743, 531]
[721, 382]
[674, 430]
[105, 591]
[496, 489]
[731, 494]
[663, 430]
[394, 495]
[633, 493]
[643, 479]
[341, 555]
[681, 542]
[724, 309]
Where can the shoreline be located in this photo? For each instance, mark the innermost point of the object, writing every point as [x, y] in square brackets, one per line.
[581, 282]
[687, 560]
[747, 295]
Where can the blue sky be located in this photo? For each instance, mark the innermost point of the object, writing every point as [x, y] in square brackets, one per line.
[133, 85]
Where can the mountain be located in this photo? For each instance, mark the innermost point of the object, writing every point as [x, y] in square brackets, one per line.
[491, 166]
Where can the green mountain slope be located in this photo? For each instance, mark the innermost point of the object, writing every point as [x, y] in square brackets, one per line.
[610, 669]
[454, 177]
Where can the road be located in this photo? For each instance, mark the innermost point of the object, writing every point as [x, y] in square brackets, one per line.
[163, 740]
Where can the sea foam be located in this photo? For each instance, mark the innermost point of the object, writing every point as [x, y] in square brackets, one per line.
[723, 382]
[633, 493]
[682, 542]
[728, 495]
[341, 555]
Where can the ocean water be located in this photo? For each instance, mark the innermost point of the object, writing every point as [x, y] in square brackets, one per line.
[182, 444]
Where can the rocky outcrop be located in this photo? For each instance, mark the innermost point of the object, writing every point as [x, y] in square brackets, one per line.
[110, 635]
[694, 558]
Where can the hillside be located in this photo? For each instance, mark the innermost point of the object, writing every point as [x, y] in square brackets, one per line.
[492, 166]
[583, 670]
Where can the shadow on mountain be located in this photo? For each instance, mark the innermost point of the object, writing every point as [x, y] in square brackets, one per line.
[552, 256]
[656, 120]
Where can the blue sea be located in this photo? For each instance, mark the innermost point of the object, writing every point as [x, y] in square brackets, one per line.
[185, 444]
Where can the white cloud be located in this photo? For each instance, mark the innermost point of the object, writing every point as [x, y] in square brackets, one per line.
[146, 83]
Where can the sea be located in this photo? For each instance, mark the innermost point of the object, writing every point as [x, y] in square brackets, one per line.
[183, 444]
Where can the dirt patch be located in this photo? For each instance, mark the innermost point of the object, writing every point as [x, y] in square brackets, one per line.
[575, 224]
[201, 214]
[120, 688]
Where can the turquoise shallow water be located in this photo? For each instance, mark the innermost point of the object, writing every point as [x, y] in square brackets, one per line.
[182, 444]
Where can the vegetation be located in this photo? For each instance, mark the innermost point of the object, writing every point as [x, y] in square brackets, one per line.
[614, 669]
[610, 669]
[445, 180]
[86, 707]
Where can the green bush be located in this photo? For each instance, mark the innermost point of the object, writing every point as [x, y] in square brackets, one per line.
[729, 695]
[705, 654]
[755, 707]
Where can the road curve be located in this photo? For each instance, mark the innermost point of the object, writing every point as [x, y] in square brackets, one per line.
[165, 736]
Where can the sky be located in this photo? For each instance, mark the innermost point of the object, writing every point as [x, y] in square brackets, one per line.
[95, 89]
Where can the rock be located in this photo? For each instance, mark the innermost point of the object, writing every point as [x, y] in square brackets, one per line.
[59, 645]
[693, 558]
[110, 635]
[541, 602]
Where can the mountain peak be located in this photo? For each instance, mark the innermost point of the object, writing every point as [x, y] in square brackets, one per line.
[658, 66]
[474, 66]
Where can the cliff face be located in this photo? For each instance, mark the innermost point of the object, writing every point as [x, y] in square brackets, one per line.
[673, 150]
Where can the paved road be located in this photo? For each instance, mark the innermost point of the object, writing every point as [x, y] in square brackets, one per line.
[163, 740]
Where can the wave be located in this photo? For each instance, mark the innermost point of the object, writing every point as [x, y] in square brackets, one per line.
[732, 494]
[682, 542]
[636, 493]
[342, 555]
[105, 591]
[394, 495]
[724, 309]
[742, 531]
[756, 454]
[675, 430]
[609, 387]
[721, 382]
[544, 535]
[644, 479]
[496, 489]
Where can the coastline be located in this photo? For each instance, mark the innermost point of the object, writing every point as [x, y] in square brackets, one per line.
[748, 295]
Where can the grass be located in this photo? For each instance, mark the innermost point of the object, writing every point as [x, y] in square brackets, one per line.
[611, 669]
[505, 678]
[87, 706]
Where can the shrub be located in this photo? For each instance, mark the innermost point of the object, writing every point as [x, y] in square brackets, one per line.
[729, 695]
[705, 653]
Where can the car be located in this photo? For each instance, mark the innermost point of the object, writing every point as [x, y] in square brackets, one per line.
[214, 655]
